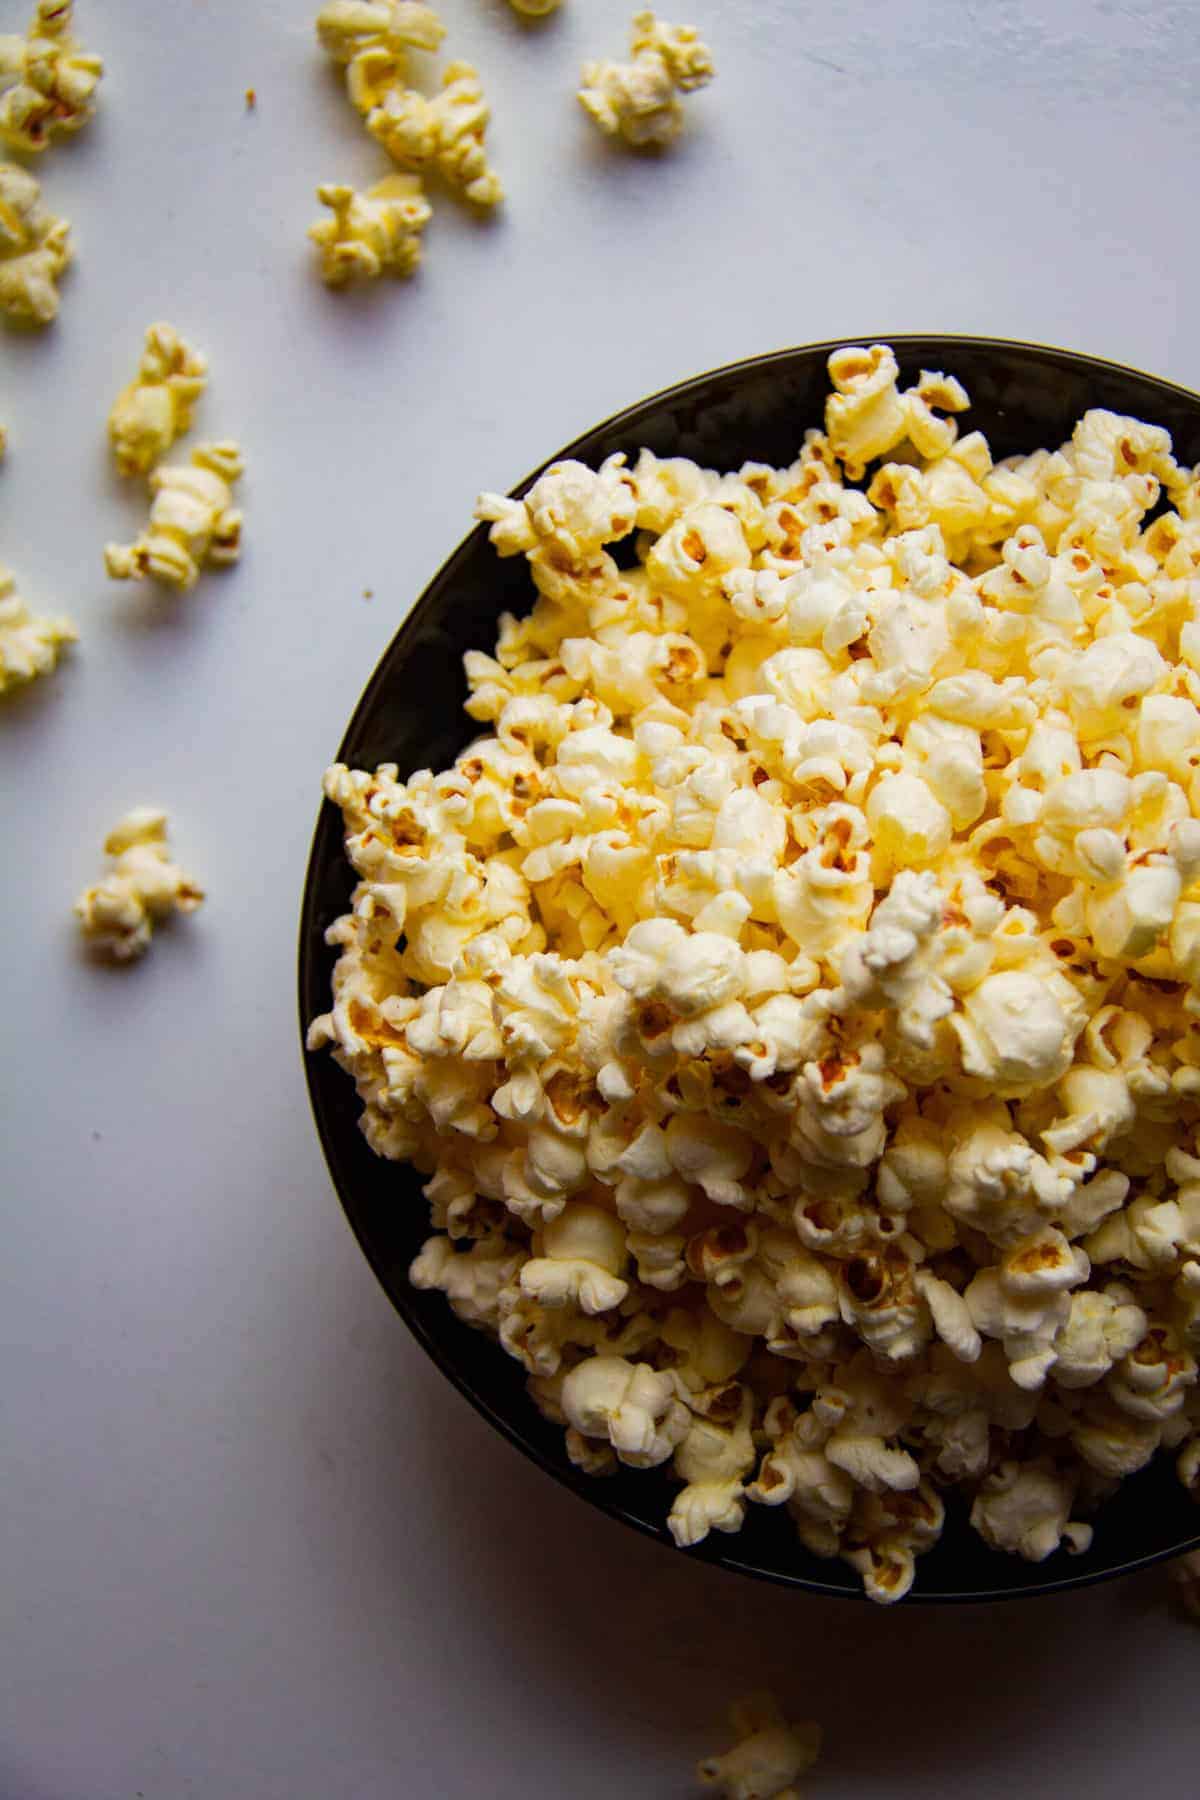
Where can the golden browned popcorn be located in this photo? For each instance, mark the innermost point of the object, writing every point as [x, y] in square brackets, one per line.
[793, 994]
[156, 407]
[371, 234]
[444, 133]
[34, 249]
[30, 645]
[193, 520]
[639, 100]
[143, 887]
[767, 1758]
[47, 82]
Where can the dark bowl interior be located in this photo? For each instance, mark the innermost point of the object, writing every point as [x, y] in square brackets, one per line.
[1023, 396]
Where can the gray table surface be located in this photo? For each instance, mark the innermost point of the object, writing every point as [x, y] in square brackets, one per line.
[252, 1545]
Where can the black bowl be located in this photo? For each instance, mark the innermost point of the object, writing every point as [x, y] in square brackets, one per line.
[1022, 396]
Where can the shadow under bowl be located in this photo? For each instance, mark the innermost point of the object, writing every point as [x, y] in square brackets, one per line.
[1023, 397]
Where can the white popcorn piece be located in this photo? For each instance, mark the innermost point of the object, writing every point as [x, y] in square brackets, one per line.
[768, 1756]
[156, 407]
[30, 644]
[1025, 1508]
[34, 250]
[47, 81]
[583, 1252]
[192, 521]
[444, 134]
[638, 101]
[791, 995]
[117, 917]
[630, 1404]
[373, 233]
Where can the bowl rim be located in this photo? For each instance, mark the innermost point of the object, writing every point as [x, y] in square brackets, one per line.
[715, 1553]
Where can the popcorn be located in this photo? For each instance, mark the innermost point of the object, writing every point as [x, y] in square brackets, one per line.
[156, 407]
[117, 916]
[29, 644]
[348, 29]
[768, 1755]
[370, 234]
[192, 521]
[630, 1404]
[445, 133]
[639, 100]
[47, 82]
[791, 995]
[34, 250]
[535, 9]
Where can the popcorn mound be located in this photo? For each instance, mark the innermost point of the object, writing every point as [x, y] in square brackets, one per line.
[792, 998]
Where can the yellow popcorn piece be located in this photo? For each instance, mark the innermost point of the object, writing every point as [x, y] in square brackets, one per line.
[156, 407]
[30, 645]
[639, 100]
[34, 250]
[444, 134]
[47, 82]
[371, 234]
[117, 917]
[768, 1756]
[192, 521]
[349, 28]
[793, 993]
[535, 9]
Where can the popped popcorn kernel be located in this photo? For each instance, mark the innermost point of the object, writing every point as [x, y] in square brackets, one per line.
[47, 82]
[117, 917]
[156, 407]
[535, 9]
[34, 250]
[30, 645]
[639, 100]
[373, 233]
[443, 134]
[192, 521]
[768, 1756]
[792, 991]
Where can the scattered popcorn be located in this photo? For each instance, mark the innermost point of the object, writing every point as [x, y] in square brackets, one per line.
[352, 28]
[29, 645]
[47, 83]
[118, 915]
[156, 407]
[791, 996]
[639, 100]
[370, 234]
[444, 134]
[768, 1756]
[192, 521]
[34, 249]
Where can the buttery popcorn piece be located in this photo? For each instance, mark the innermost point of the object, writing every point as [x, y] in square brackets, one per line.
[535, 9]
[29, 644]
[34, 250]
[192, 521]
[47, 82]
[791, 995]
[156, 407]
[639, 100]
[374, 233]
[444, 134]
[767, 1758]
[143, 887]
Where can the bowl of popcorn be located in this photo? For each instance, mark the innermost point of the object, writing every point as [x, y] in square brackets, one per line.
[750, 968]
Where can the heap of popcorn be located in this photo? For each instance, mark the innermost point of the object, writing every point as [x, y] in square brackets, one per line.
[793, 998]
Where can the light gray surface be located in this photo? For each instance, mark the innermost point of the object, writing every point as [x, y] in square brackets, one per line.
[251, 1544]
